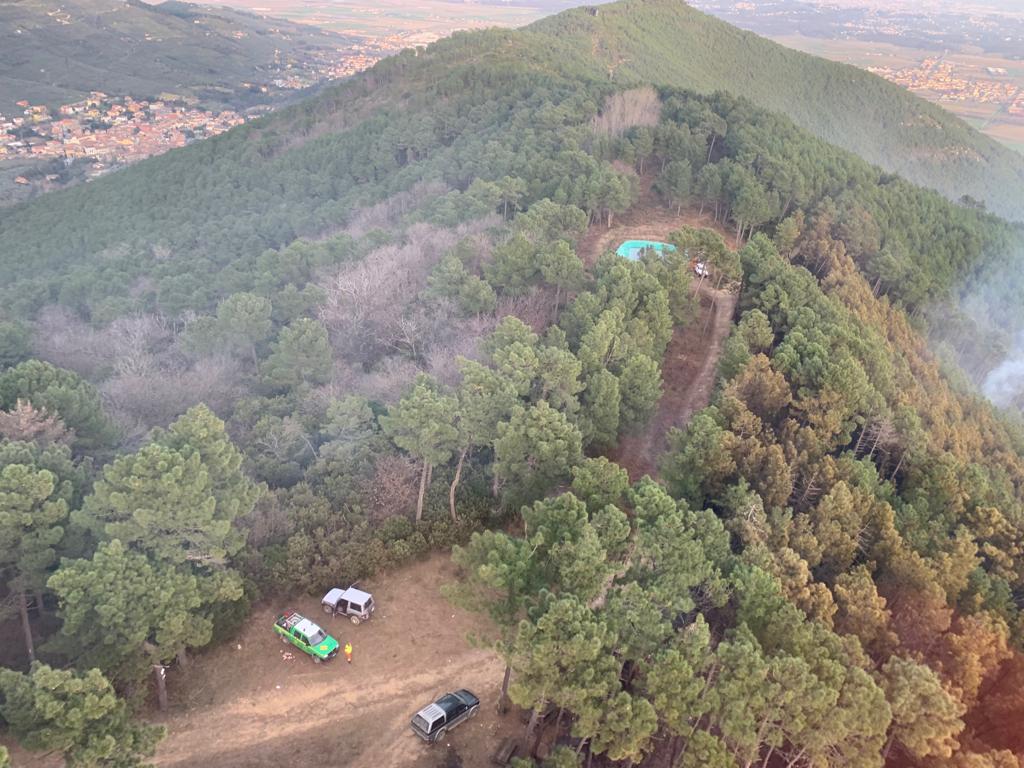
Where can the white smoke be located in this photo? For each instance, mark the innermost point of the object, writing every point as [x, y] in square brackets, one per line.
[1004, 384]
[984, 329]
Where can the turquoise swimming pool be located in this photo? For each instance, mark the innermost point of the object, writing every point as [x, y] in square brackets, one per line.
[632, 249]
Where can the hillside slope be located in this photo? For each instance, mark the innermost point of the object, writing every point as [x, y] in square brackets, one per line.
[474, 106]
[56, 53]
[668, 42]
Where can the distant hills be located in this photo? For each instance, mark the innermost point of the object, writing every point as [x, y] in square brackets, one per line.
[668, 42]
[447, 115]
[57, 51]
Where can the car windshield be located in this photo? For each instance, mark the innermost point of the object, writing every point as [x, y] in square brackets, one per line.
[317, 637]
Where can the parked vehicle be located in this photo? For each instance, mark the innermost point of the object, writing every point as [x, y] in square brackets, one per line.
[351, 602]
[435, 720]
[306, 636]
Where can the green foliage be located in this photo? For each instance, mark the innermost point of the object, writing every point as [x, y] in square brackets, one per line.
[60, 392]
[32, 515]
[640, 389]
[243, 322]
[301, 355]
[562, 659]
[14, 344]
[561, 757]
[422, 423]
[177, 498]
[602, 405]
[485, 399]
[599, 483]
[165, 516]
[926, 719]
[534, 450]
[326, 544]
[546, 221]
[451, 280]
[123, 612]
[838, 503]
[513, 267]
[700, 457]
[676, 183]
[76, 714]
[570, 554]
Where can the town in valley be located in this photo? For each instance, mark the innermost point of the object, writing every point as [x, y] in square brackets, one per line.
[43, 147]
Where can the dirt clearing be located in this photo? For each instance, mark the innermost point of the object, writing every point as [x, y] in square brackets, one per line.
[253, 707]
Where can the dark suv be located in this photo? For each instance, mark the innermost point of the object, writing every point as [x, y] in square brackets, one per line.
[435, 720]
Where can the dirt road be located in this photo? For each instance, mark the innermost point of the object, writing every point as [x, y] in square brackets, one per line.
[251, 706]
[688, 370]
[688, 377]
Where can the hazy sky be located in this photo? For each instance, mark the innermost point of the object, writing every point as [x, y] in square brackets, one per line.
[1004, 6]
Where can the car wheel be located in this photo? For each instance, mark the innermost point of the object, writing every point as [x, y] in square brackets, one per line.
[440, 735]
[355, 620]
[472, 712]
[328, 609]
[284, 640]
[317, 660]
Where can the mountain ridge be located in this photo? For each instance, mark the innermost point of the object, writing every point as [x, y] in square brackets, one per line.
[444, 114]
[876, 120]
[134, 48]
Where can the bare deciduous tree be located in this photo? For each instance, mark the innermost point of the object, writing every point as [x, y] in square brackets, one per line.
[627, 109]
[386, 213]
[393, 489]
[369, 305]
[533, 308]
[140, 400]
[61, 338]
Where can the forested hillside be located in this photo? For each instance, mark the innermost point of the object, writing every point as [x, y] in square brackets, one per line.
[57, 53]
[668, 42]
[330, 342]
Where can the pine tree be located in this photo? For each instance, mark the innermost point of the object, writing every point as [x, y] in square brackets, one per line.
[563, 659]
[301, 355]
[562, 268]
[485, 399]
[243, 322]
[60, 393]
[640, 389]
[76, 714]
[601, 410]
[535, 449]
[123, 612]
[423, 424]
[32, 518]
[599, 482]
[925, 717]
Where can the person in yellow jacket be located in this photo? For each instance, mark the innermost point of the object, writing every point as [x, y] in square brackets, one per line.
[348, 652]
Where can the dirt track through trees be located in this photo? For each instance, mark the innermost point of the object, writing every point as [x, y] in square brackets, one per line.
[252, 707]
[688, 377]
[688, 370]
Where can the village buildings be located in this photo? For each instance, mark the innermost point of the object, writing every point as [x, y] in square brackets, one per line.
[109, 131]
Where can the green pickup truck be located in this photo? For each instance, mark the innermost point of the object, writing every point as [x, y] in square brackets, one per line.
[306, 636]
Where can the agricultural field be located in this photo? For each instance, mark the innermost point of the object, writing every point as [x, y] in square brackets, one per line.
[897, 63]
[426, 19]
